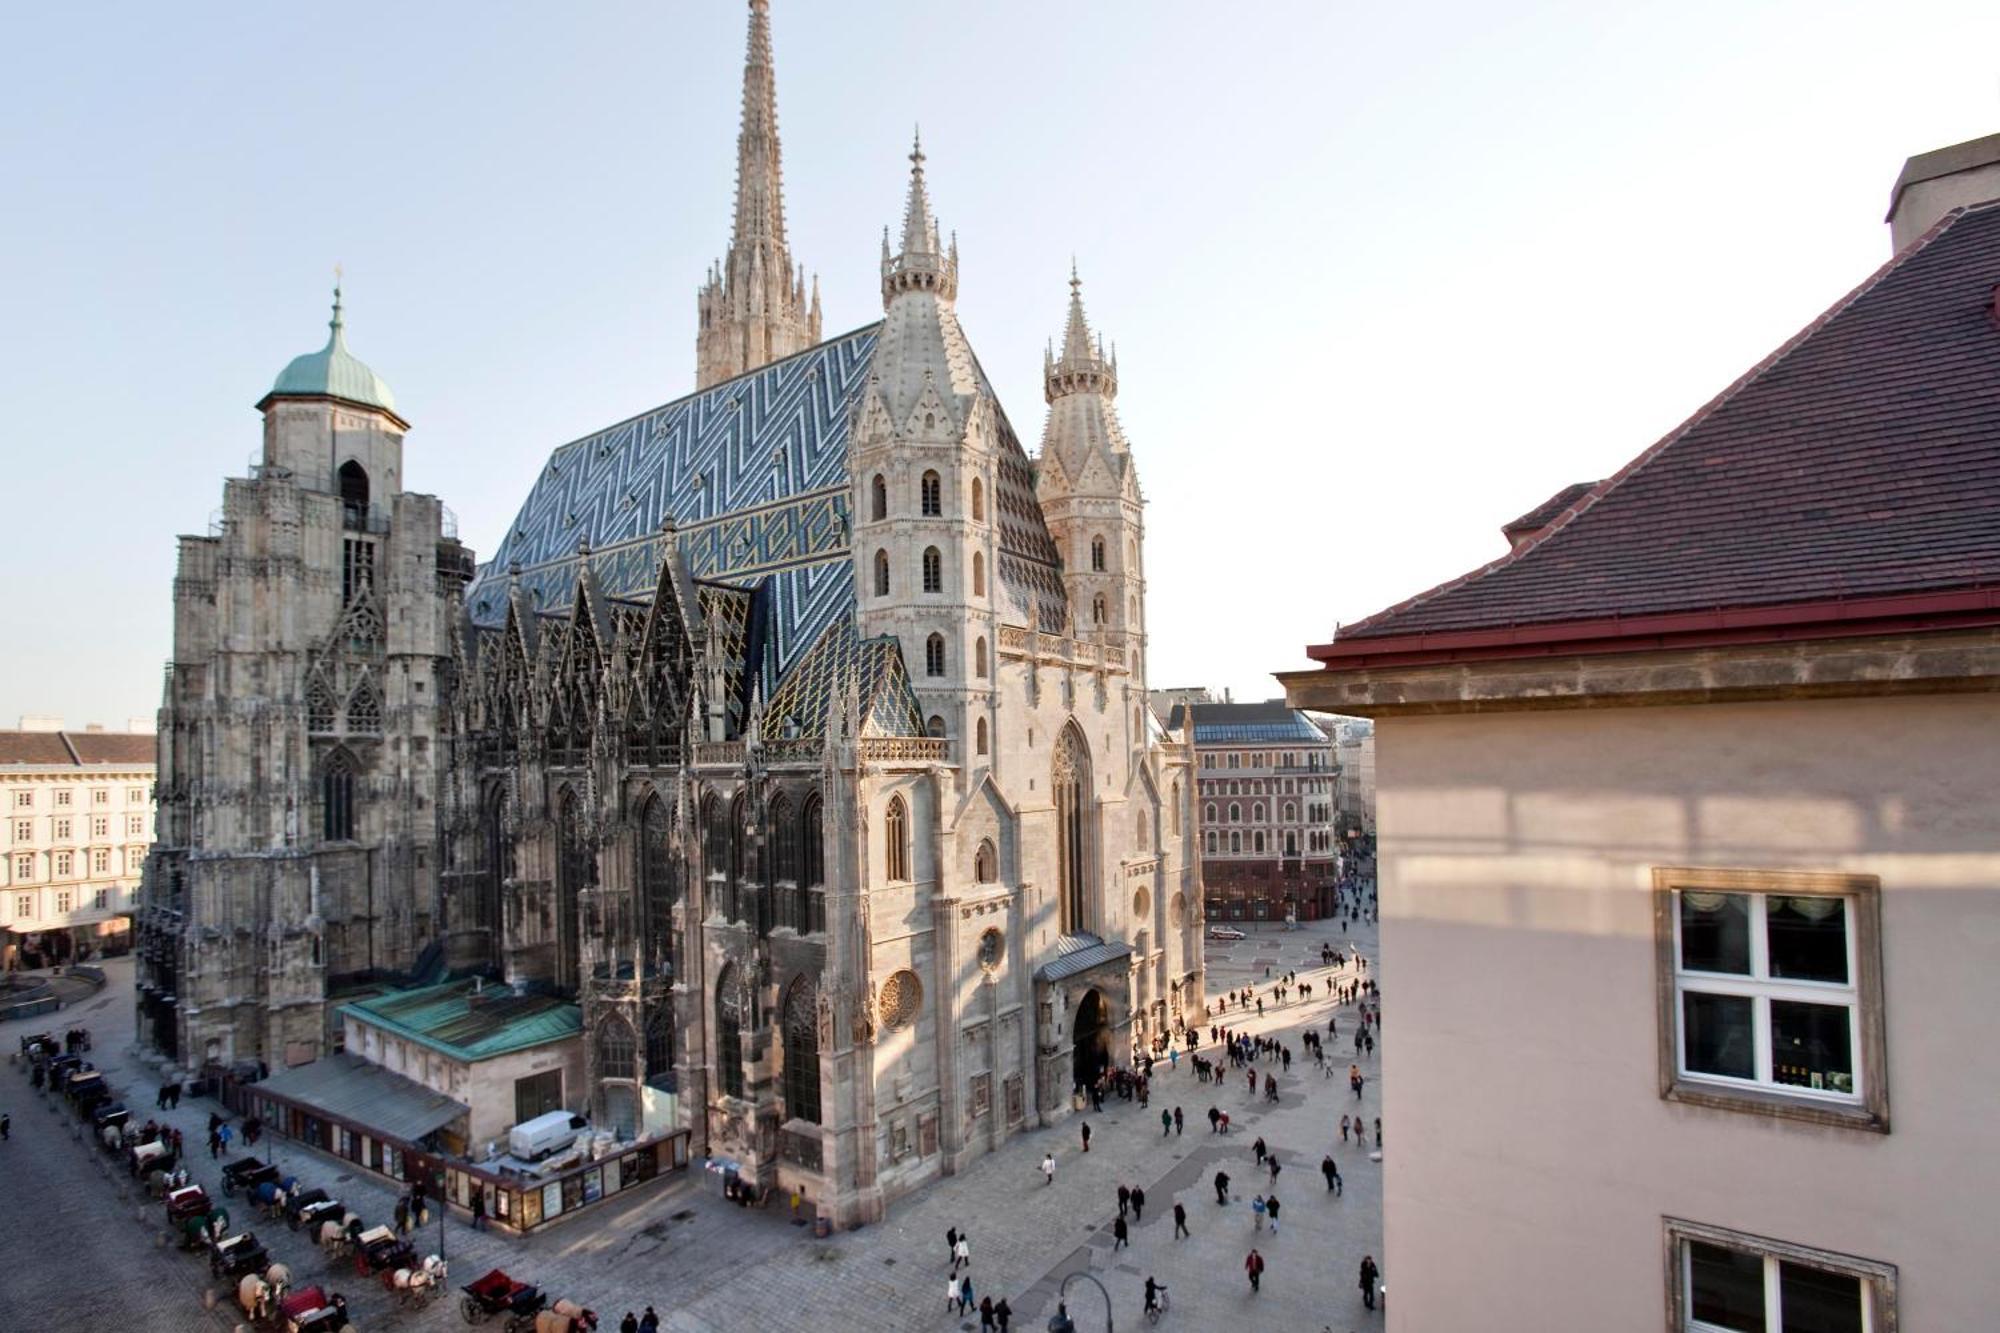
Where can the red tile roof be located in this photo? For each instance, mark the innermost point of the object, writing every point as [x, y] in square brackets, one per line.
[1860, 460]
[77, 748]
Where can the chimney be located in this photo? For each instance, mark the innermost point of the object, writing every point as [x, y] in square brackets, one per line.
[1934, 183]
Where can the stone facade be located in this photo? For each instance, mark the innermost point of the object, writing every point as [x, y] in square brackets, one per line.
[771, 735]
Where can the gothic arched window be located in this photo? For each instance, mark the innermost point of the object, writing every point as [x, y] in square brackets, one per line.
[1235, 813]
[1257, 842]
[336, 798]
[1140, 824]
[933, 495]
[878, 498]
[985, 863]
[1236, 844]
[320, 706]
[659, 887]
[499, 869]
[616, 1049]
[801, 1016]
[896, 840]
[933, 570]
[364, 708]
[934, 655]
[574, 872]
[1208, 812]
[979, 657]
[980, 732]
[978, 574]
[784, 839]
[729, 1033]
[1208, 842]
[978, 501]
[811, 844]
[1097, 609]
[1097, 554]
[660, 1046]
[714, 838]
[353, 495]
[934, 727]
[881, 573]
[1074, 858]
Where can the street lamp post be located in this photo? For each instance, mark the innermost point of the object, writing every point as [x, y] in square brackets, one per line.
[1060, 1322]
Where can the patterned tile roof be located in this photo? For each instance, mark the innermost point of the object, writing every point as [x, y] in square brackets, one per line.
[753, 474]
[843, 661]
[1861, 459]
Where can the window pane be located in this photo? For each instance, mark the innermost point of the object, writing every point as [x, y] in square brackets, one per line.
[1718, 1035]
[1811, 1046]
[1808, 938]
[1726, 1287]
[1715, 931]
[1816, 1301]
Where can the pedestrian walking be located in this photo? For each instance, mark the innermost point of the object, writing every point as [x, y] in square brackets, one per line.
[1002, 1312]
[1086, 1133]
[985, 1314]
[403, 1217]
[1257, 1213]
[479, 1210]
[1222, 1187]
[951, 1292]
[1369, 1273]
[961, 1253]
[1124, 1199]
[6, 1127]
[1213, 1116]
[1166, 1122]
[965, 1297]
[1138, 1204]
[1271, 1209]
[1120, 1236]
[1048, 1168]
[1378, 1131]
[1275, 1168]
[1344, 1127]
[1332, 1174]
[951, 1245]
[629, 1324]
[1180, 1220]
[1177, 1122]
[1254, 1266]
[649, 1322]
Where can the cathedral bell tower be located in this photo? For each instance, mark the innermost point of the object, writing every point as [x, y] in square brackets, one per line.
[754, 307]
[923, 455]
[1089, 491]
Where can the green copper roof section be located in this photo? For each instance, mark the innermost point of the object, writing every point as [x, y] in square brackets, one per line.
[334, 372]
[469, 1023]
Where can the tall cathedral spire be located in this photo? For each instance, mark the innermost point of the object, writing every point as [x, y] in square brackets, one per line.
[754, 307]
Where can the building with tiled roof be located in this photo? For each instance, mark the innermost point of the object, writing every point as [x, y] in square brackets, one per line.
[77, 808]
[795, 734]
[1265, 788]
[1688, 846]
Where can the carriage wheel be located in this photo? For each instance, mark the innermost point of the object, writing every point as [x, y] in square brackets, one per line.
[472, 1311]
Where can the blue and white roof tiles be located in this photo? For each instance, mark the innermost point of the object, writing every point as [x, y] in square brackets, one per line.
[753, 475]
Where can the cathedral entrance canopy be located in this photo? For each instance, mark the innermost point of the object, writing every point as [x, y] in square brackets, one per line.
[1079, 953]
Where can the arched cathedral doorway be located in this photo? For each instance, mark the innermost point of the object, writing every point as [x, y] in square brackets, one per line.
[1091, 1034]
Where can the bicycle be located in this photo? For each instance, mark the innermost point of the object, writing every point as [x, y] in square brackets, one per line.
[1159, 1307]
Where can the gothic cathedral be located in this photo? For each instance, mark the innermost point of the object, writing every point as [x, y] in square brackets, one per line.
[796, 732]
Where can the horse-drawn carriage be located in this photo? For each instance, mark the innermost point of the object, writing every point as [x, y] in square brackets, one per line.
[380, 1250]
[294, 1201]
[270, 1195]
[233, 1256]
[193, 1218]
[339, 1230]
[311, 1310]
[247, 1174]
[154, 1154]
[304, 1211]
[496, 1295]
[415, 1285]
[109, 1121]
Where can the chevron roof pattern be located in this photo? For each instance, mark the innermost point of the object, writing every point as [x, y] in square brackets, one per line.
[751, 472]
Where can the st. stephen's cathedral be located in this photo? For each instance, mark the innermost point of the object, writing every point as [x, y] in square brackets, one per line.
[797, 730]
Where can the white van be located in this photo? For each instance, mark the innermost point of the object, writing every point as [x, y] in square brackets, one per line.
[544, 1134]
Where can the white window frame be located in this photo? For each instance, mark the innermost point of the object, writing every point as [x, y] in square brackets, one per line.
[1878, 1280]
[1867, 1106]
[1761, 988]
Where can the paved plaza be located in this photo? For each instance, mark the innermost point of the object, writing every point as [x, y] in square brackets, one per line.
[710, 1265]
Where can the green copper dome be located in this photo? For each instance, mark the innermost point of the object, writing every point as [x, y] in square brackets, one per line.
[334, 372]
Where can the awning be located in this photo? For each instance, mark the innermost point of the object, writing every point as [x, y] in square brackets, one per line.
[1080, 953]
[366, 1096]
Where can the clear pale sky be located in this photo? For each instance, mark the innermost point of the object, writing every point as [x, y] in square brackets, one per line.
[1381, 277]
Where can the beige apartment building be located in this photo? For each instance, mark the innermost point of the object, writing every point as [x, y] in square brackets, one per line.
[1690, 857]
[76, 818]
